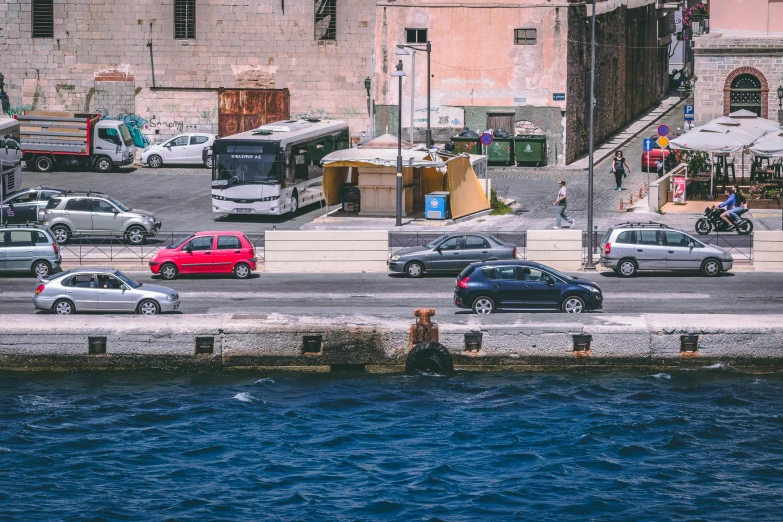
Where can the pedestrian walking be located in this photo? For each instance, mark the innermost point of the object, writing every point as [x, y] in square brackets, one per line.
[561, 203]
[619, 167]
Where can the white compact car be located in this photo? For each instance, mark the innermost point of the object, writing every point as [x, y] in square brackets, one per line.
[180, 150]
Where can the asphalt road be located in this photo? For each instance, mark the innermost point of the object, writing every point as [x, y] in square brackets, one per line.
[395, 296]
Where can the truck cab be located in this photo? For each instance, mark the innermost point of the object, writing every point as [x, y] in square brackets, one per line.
[111, 141]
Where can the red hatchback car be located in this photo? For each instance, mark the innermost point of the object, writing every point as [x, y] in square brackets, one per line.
[217, 252]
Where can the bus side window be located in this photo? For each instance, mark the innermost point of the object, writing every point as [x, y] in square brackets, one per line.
[300, 162]
[316, 151]
[291, 169]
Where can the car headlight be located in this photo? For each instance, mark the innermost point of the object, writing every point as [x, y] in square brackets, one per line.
[395, 257]
[728, 256]
[172, 297]
[151, 219]
[591, 288]
[219, 198]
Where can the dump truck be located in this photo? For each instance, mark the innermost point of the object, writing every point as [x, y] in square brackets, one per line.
[52, 140]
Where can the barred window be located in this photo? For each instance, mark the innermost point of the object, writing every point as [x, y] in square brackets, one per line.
[416, 36]
[184, 19]
[43, 18]
[326, 19]
[524, 37]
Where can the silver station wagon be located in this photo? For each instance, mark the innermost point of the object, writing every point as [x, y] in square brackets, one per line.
[631, 247]
[102, 290]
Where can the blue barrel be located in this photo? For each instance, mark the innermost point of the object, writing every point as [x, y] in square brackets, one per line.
[436, 205]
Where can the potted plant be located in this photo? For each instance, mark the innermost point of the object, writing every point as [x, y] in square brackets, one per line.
[696, 161]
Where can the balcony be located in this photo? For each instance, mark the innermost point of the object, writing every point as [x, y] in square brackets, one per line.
[700, 24]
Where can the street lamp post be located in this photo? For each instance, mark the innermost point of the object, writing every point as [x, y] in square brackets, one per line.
[780, 104]
[590, 265]
[401, 51]
[399, 73]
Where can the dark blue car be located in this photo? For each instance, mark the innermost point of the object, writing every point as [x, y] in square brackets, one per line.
[523, 285]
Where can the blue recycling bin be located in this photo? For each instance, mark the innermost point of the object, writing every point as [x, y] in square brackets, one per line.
[436, 205]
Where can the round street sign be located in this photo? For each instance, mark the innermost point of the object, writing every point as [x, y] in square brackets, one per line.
[486, 138]
[663, 130]
[9, 213]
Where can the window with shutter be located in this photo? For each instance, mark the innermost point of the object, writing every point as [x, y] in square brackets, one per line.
[43, 18]
[326, 19]
[184, 19]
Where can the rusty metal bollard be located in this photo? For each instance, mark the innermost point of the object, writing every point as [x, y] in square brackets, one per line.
[641, 192]
[423, 330]
[630, 202]
[621, 203]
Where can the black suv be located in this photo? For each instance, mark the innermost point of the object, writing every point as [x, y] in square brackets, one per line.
[23, 206]
[523, 285]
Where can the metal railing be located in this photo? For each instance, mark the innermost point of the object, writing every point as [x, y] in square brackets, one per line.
[115, 248]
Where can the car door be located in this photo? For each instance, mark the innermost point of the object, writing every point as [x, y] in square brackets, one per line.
[476, 249]
[227, 252]
[81, 289]
[650, 250]
[680, 251]
[22, 208]
[2, 250]
[176, 150]
[19, 249]
[78, 213]
[43, 246]
[447, 256]
[196, 256]
[108, 142]
[508, 290]
[105, 217]
[542, 289]
[196, 147]
[114, 295]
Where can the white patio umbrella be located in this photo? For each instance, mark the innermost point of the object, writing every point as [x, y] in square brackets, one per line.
[771, 145]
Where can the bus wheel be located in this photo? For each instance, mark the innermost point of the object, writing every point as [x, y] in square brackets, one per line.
[294, 202]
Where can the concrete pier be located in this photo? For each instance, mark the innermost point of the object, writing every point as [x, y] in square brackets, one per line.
[374, 344]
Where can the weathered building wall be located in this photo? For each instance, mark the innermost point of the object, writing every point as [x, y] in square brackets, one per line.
[631, 72]
[244, 43]
[474, 73]
[719, 59]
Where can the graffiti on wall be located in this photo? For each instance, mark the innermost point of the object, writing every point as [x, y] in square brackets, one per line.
[440, 116]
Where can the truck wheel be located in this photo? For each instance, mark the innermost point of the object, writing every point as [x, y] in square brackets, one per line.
[104, 164]
[43, 164]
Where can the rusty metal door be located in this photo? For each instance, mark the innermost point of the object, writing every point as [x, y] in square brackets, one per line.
[241, 110]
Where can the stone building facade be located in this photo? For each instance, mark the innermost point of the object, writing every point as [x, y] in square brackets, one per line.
[739, 64]
[527, 67]
[100, 56]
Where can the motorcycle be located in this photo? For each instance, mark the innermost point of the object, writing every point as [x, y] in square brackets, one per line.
[712, 221]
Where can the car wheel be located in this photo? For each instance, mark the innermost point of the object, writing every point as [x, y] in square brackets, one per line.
[104, 164]
[711, 268]
[44, 164]
[149, 307]
[42, 268]
[483, 305]
[414, 269]
[136, 235]
[703, 226]
[745, 228]
[155, 161]
[626, 268]
[169, 271]
[62, 234]
[573, 305]
[208, 163]
[429, 358]
[294, 202]
[242, 271]
[63, 307]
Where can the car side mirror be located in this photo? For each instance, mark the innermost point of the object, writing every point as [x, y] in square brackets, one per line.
[550, 281]
[692, 245]
[188, 249]
[115, 211]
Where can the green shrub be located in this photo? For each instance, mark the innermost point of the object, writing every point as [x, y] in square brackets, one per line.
[498, 208]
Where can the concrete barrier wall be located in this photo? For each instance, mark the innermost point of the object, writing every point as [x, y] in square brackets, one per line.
[768, 251]
[560, 249]
[372, 343]
[326, 251]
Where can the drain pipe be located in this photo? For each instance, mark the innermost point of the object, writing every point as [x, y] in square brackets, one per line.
[152, 61]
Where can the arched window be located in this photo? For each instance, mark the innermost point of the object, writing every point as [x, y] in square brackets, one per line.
[745, 94]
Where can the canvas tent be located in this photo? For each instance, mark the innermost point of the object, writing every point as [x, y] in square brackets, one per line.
[439, 172]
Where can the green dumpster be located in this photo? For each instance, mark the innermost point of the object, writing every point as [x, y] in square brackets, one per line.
[501, 152]
[530, 150]
[466, 144]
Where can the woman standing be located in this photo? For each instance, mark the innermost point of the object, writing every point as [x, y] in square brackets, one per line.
[619, 167]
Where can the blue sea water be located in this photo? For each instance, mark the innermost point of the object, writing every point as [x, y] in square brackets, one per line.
[689, 445]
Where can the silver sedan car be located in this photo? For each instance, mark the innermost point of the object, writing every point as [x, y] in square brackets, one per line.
[101, 290]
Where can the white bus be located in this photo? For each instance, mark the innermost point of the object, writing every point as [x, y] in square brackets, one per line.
[274, 169]
[10, 157]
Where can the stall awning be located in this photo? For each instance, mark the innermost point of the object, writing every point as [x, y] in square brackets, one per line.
[379, 158]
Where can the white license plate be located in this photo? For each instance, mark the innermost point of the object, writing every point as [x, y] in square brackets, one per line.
[244, 210]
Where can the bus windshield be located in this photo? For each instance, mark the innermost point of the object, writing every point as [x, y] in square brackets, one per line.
[246, 163]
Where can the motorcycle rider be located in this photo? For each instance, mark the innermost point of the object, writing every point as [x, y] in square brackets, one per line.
[729, 204]
[739, 206]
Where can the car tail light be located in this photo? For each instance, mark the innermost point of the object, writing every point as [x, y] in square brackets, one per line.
[515, 252]
[463, 283]
[252, 253]
[608, 248]
[39, 288]
[56, 248]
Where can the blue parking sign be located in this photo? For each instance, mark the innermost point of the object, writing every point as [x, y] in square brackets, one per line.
[688, 112]
[648, 144]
